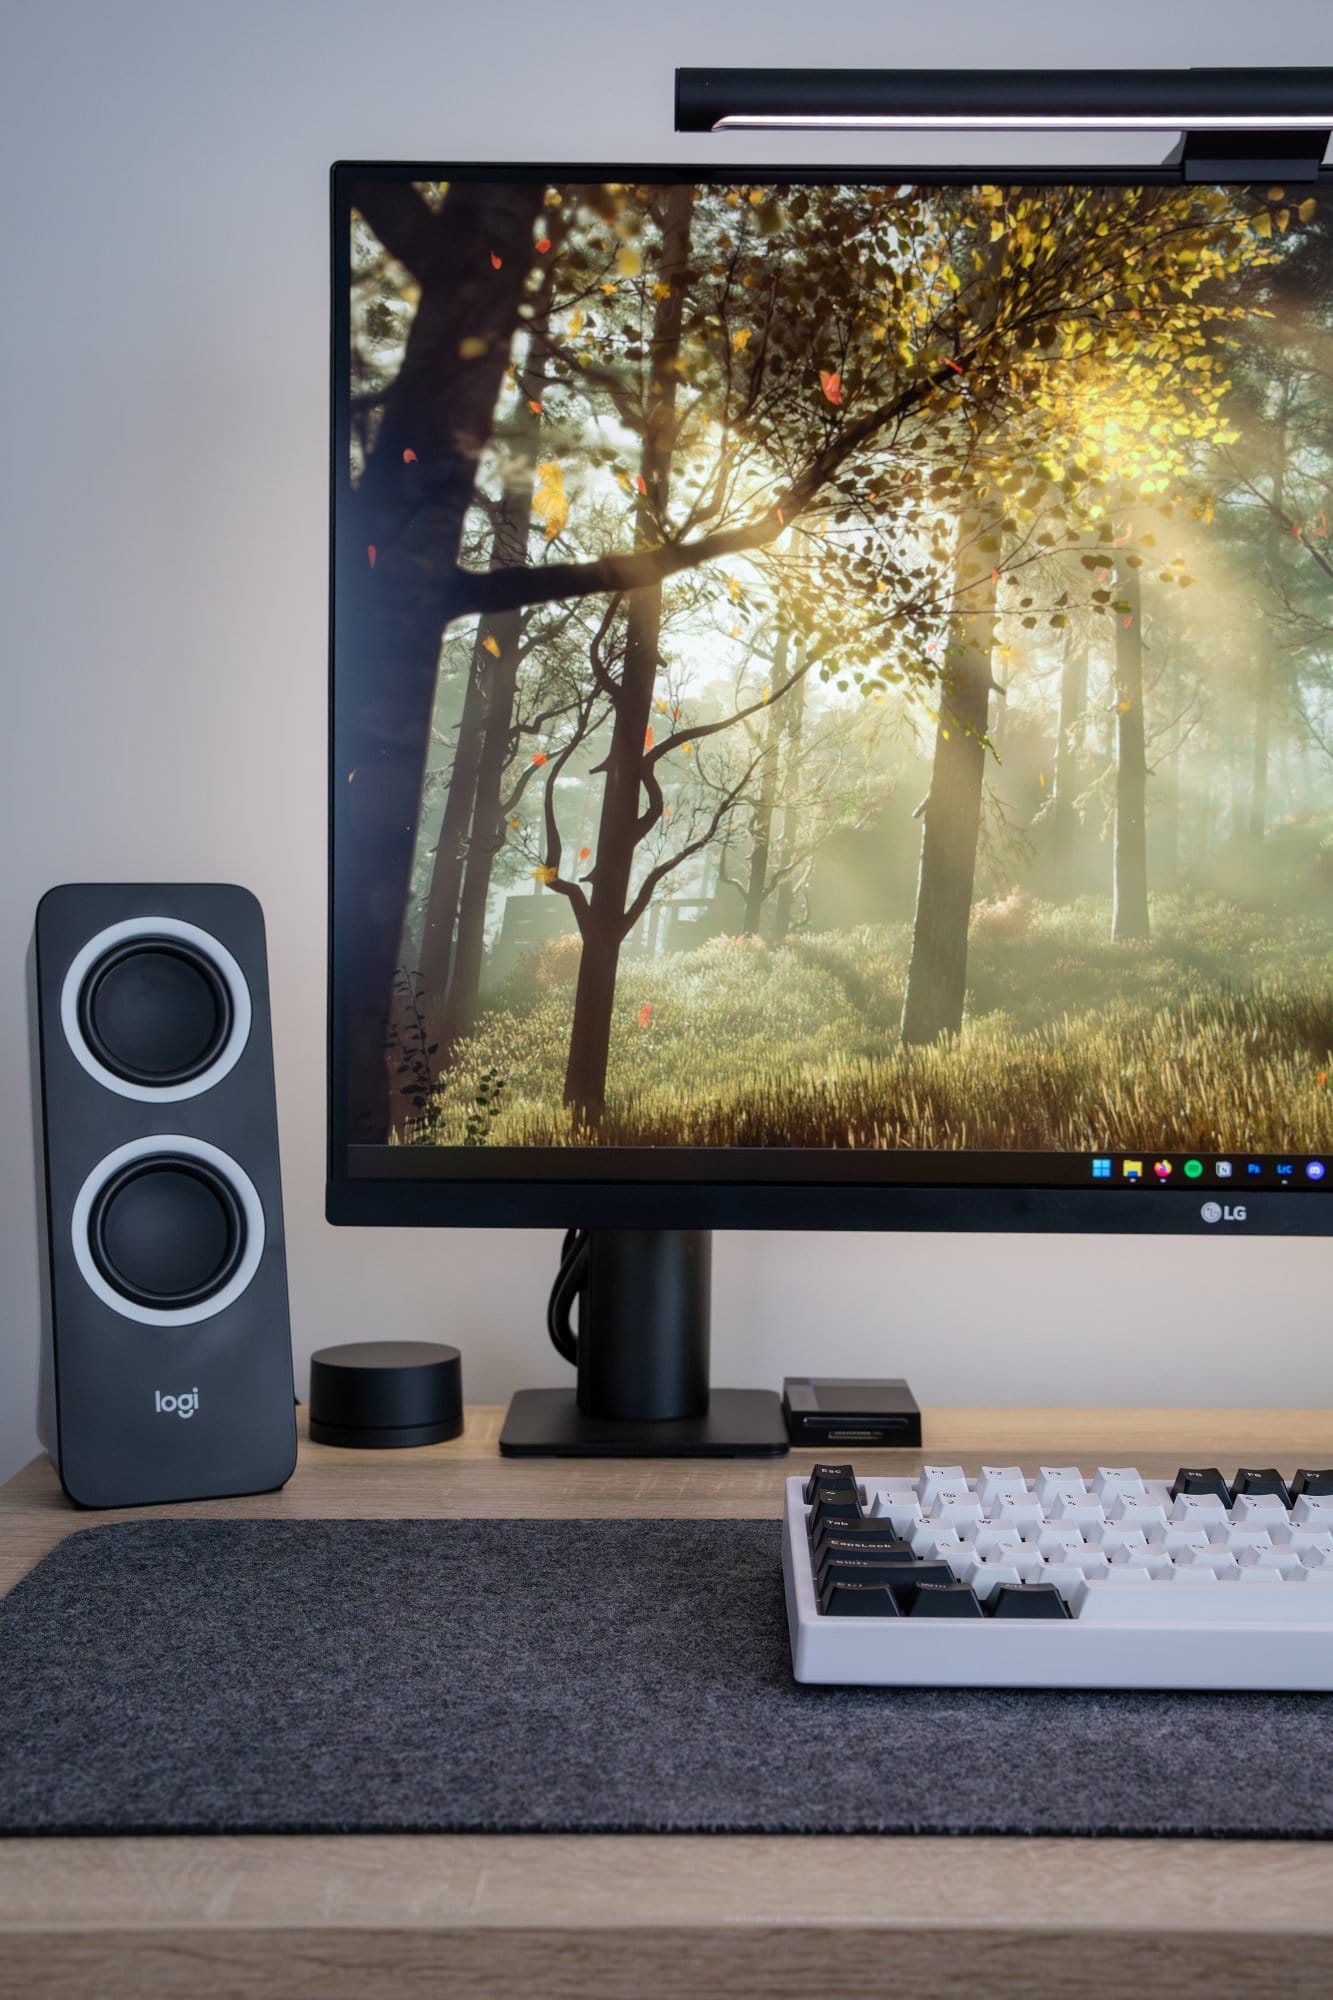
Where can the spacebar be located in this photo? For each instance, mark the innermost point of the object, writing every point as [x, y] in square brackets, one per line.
[1223, 1604]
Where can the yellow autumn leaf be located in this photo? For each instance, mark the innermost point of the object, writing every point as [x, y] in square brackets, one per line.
[996, 230]
[608, 288]
[687, 749]
[549, 502]
[734, 589]
[878, 332]
[545, 875]
[1308, 209]
[660, 705]
[575, 321]
[1263, 223]
[628, 261]
[756, 196]
[553, 198]
[472, 348]
[661, 290]
[491, 645]
[740, 340]
[767, 695]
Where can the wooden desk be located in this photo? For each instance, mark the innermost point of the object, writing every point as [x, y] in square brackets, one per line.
[589, 1918]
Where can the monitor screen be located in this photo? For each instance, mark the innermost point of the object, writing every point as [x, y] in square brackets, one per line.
[832, 682]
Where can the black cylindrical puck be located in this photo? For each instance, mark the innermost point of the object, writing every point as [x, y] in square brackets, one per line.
[383, 1394]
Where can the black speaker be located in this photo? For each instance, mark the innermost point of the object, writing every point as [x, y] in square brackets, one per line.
[166, 1363]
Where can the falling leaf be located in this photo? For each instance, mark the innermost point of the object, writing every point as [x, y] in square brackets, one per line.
[372, 552]
[667, 810]
[472, 348]
[878, 332]
[1322, 1078]
[1263, 223]
[647, 740]
[496, 262]
[609, 287]
[545, 875]
[543, 245]
[831, 383]
[756, 196]
[660, 705]
[409, 456]
[350, 776]
[549, 502]
[767, 695]
[641, 483]
[1127, 620]
[645, 1013]
[553, 198]
[539, 757]
[1308, 209]
[675, 715]
[734, 588]
[585, 854]
[575, 321]
[1041, 779]
[781, 521]
[995, 576]
[740, 340]
[955, 365]
[687, 750]
[534, 406]
[515, 821]
[491, 645]
[628, 261]
[661, 290]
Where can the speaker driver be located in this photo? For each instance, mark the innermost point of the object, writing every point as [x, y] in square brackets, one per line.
[167, 1231]
[155, 1011]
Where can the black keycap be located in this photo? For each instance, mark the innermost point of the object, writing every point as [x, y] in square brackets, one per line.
[1260, 1479]
[942, 1600]
[832, 1503]
[841, 1476]
[1026, 1600]
[858, 1528]
[860, 1548]
[859, 1569]
[858, 1600]
[1313, 1483]
[1194, 1479]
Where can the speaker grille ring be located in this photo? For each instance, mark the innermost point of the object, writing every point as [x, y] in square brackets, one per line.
[167, 1230]
[155, 1010]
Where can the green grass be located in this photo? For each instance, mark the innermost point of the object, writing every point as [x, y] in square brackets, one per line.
[1216, 1035]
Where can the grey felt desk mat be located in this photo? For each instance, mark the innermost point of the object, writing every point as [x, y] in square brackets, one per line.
[531, 1676]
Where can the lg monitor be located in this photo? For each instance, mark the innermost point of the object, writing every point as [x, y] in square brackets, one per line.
[832, 722]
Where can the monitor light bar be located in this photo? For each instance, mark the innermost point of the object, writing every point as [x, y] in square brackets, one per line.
[1267, 101]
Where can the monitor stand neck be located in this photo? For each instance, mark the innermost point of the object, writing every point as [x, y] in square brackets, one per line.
[643, 1389]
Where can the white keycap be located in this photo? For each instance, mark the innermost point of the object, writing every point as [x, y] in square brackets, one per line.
[1108, 1536]
[1061, 1537]
[1114, 1479]
[1312, 1512]
[1259, 1507]
[1205, 1507]
[1176, 1538]
[1091, 1563]
[1244, 1602]
[990, 1540]
[992, 1478]
[1063, 1575]
[1018, 1510]
[1284, 1560]
[1157, 1564]
[985, 1577]
[902, 1509]
[1219, 1562]
[1137, 1510]
[1322, 1575]
[1306, 1540]
[1237, 1539]
[935, 1541]
[1053, 1479]
[1252, 1578]
[1030, 1567]
[1195, 1555]
[933, 1477]
[955, 1504]
[1082, 1509]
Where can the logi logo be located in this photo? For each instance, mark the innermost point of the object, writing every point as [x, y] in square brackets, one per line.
[183, 1405]
[1214, 1211]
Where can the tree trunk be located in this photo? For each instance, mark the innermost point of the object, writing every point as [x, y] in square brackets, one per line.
[790, 814]
[1257, 818]
[756, 892]
[603, 925]
[1063, 829]
[951, 815]
[446, 878]
[1130, 903]
[392, 607]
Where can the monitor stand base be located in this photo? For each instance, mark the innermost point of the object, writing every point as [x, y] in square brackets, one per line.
[739, 1423]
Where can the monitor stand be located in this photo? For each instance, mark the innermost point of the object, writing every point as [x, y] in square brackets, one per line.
[642, 1358]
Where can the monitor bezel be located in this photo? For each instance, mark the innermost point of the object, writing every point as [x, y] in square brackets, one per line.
[598, 1198]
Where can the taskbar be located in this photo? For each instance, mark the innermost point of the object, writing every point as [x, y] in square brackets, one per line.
[845, 1165]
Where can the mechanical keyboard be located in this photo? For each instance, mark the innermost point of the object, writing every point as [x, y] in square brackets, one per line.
[1060, 1579]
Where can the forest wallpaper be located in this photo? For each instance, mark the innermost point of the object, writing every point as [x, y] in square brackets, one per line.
[835, 665]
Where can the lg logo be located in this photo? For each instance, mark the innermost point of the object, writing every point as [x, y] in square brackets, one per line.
[1213, 1211]
[183, 1405]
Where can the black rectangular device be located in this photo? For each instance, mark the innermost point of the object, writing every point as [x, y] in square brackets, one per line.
[830, 705]
[829, 1410]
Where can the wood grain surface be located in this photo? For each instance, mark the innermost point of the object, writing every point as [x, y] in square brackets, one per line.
[586, 1918]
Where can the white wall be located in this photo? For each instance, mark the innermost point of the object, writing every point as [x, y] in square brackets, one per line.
[162, 587]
